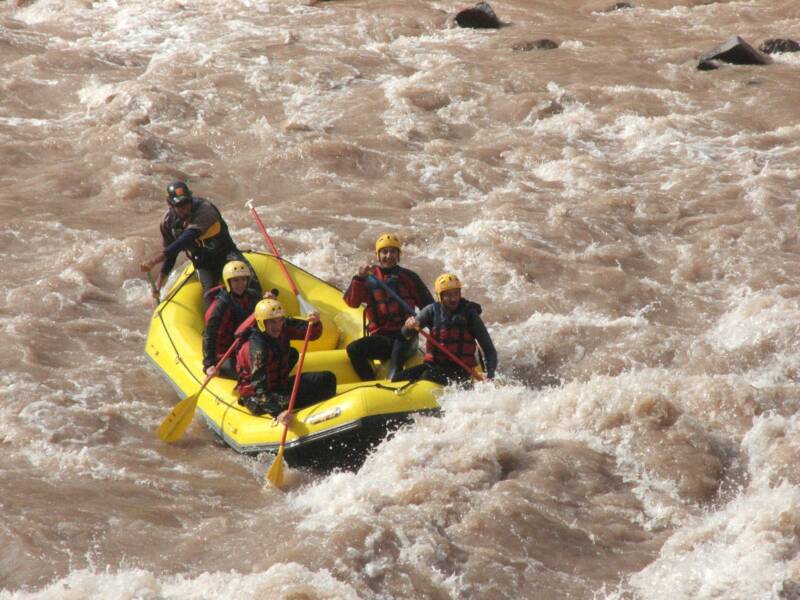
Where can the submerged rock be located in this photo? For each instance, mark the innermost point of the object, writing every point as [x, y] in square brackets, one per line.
[480, 16]
[543, 44]
[618, 6]
[775, 45]
[735, 51]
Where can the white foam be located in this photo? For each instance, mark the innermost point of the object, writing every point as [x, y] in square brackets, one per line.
[281, 580]
[740, 552]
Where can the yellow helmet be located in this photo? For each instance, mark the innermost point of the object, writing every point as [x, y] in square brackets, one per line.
[268, 309]
[446, 282]
[387, 240]
[235, 268]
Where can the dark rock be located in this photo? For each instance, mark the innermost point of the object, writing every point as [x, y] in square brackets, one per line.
[790, 590]
[735, 51]
[775, 45]
[543, 44]
[618, 6]
[480, 16]
[708, 65]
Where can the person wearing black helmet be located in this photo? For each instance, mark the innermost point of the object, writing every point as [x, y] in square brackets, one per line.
[194, 226]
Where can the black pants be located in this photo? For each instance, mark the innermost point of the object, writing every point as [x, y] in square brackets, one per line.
[210, 273]
[228, 368]
[314, 387]
[382, 347]
[441, 374]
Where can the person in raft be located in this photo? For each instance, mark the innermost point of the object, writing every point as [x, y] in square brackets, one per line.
[384, 314]
[456, 324]
[195, 226]
[264, 361]
[232, 303]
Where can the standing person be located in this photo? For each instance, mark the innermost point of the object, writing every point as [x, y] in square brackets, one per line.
[195, 226]
[231, 306]
[385, 316]
[264, 361]
[456, 324]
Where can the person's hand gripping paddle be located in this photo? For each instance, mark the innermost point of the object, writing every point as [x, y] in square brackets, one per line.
[275, 473]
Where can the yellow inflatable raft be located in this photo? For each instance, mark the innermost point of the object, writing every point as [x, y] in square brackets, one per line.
[336, 432]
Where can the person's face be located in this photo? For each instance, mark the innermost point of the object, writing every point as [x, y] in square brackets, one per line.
[388, 257]
[183, 210]
[450, 299]
[273, 327]
[238, 284]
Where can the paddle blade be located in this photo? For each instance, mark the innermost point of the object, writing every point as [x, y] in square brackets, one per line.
[305, 306]
[175, 424]
[275, 473]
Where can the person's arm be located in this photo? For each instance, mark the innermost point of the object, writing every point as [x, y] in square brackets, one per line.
[479, 331]
[356, 293]
[296, 328]
[413, 324]
[210, 335]
[184, 241]
[423, 294]
[169, 254]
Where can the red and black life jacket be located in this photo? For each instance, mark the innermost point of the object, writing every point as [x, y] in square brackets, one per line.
[228, 312]
[384, 312]
[452, 331]
[265, 359]
[275, 354]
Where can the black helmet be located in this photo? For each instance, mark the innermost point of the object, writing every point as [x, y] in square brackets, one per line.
[178, 193]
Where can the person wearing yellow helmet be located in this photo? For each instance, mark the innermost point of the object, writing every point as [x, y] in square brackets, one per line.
[455, 323]
[195, 226]
[264, 361]
[232, 303]
[385, 316]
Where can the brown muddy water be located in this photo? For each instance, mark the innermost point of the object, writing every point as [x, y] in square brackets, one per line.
[628, 223]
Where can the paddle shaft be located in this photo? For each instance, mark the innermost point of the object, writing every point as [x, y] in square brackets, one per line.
[426, 335]
[174, 425]
[153, 287]
[225, 356]
[274, 251]
[296, 385]
[248, 322]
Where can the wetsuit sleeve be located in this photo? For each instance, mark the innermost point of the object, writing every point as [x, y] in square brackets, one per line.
[424, 318]
[423, 295]
[183, 242]
[296, 329]
[478, 330]
[210, 334]
[356, 293]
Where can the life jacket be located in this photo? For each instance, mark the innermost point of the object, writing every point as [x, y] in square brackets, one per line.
[209, 295]
[232, 311]
[383, 311]
[452, 331]
[213, 243]
[276, 355]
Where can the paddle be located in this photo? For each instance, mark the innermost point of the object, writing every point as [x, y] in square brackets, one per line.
[427, 336]
[153, 288]
[275, 473]
[175, 424]
[305, 305]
